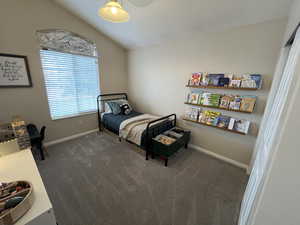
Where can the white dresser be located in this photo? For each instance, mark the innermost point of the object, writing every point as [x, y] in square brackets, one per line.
[21, 166]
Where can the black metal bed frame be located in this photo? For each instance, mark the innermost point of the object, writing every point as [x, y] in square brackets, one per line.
[150, 133]
[100, 100]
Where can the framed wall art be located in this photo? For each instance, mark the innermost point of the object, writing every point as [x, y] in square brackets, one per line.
[14, 71]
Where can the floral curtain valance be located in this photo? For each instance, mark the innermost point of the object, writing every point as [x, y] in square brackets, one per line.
[66, 41]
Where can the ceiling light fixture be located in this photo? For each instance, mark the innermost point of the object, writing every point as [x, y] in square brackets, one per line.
[113, 11]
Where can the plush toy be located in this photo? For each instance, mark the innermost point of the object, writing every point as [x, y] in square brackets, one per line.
[125, 109]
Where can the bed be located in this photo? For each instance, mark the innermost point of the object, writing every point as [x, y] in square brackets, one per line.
[135, 127]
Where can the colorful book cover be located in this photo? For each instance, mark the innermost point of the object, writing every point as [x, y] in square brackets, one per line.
[212, 117]
[223, 121]
[242, 126]
[201, 117]
[214, 100]
[236, 81]
[251, 81]
[165, 139]
[204, 98]
[192, 113]
[258, 79]
[195, 79]
[205, 79]
[210, 99]
[223, 82]
[188, 113]
[200, 98]
[195, 114]
[247, 82]
[225, 100]
[214, 79]
[194, 98]
[248, 103]
[231, 123]
[236, 103]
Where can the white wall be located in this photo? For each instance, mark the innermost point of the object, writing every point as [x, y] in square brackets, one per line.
[158, 74]
[279, 202]
[19, 22]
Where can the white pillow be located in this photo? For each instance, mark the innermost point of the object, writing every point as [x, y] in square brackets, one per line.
[107, 109]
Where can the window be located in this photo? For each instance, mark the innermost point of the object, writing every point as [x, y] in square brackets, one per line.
[72, 83]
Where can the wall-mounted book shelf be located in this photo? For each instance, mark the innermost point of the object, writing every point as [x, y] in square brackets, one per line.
[221, 128]
[220, 87]
[216, 107]
[228, 102]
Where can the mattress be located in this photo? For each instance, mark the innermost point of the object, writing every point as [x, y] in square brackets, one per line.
[112, 122]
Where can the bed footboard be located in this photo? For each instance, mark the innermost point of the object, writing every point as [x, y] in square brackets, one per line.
[152, 131]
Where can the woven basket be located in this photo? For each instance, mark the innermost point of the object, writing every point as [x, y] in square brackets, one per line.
[10, 216]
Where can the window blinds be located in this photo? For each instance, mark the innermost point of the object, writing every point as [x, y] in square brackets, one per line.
[72, 83]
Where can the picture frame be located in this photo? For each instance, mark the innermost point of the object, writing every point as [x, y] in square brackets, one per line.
[14, 71]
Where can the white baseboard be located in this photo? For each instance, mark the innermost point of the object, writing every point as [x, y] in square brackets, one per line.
[205, 151]
[47, 144]
[223, 158]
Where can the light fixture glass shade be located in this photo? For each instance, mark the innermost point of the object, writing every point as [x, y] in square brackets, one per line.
[113, 12]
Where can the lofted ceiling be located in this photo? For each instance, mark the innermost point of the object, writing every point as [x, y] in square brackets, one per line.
[167, 19]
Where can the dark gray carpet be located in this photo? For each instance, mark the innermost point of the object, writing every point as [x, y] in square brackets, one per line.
[96, 180]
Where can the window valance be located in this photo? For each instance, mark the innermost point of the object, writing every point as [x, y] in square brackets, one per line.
[66, 41]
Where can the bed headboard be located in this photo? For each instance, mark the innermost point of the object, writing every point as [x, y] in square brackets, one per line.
[101, 99]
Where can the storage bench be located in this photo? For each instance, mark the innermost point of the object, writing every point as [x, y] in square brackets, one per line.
[168, 143]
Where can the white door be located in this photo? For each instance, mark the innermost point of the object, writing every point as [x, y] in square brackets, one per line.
[267, 137]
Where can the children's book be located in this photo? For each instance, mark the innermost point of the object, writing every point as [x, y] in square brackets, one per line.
[188, 113]
[236, 81]
[223, 121]
[214, 100]
[199, 97]
[225, 100]
[195, 79]
[223, 82]
[242, 126]
[247, 82]
[204, 116]
[236, 103]
[258, 79]
[251, 81]
[210, 99]
[204, 98]
[231, 123]
[211, 117]
[214, 79]
[248, 103]
[194, 97]
[201, 117]
[205, 79]
[195, 114]
[165, 139]
[192, 113]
